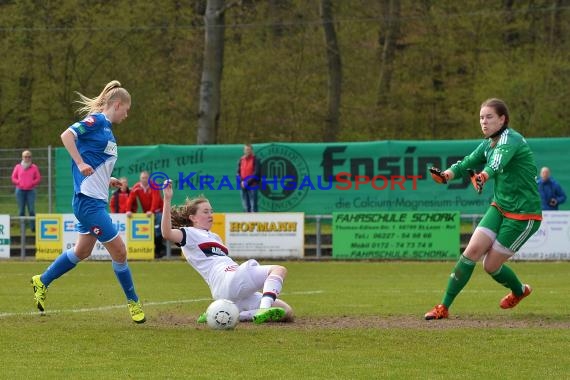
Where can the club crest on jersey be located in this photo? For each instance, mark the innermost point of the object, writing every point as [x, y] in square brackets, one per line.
[96, 230]
[89, 120]
[211, 248]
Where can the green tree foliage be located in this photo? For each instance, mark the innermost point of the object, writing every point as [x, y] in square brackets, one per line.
[443, 58]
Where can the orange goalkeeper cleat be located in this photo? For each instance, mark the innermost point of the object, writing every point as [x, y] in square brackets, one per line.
[511, 300]
[438, 312]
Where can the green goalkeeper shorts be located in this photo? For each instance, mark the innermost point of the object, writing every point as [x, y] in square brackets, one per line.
[511, 233]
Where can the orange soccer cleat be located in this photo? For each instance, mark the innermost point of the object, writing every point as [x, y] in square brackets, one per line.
[438, 312]
[510, 300]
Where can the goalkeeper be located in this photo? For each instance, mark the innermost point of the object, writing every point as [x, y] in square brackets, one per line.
[515, 212]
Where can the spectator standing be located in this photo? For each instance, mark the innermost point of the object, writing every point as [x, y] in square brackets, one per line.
[150, 202]
[120, 198]
[551, 193]
[26, 177]
[249, 171]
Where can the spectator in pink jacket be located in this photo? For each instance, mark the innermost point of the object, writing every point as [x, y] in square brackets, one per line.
[26, 176]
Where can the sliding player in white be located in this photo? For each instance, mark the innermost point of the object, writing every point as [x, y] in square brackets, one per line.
[206, 253]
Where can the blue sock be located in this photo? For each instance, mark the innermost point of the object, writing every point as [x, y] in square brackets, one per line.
[61, 265]
[125, 278]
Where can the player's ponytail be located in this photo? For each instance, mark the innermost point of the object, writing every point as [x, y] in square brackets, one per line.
[112, 91]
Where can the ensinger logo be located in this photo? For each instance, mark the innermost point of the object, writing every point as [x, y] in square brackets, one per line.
[140, 229]
[280, 161]
[49, 229]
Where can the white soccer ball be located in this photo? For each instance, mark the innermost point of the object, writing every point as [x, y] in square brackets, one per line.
[222, 315]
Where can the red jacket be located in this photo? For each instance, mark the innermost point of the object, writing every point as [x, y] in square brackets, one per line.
[119, 200]
[150, 200]
[249, 166]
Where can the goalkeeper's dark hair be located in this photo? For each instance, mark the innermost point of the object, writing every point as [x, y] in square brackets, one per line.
[499, 106]
[180, 215]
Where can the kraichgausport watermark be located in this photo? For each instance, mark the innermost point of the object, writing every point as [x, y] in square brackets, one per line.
[341, 181]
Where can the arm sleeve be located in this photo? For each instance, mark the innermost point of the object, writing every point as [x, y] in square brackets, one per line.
[560, 194]
[473, 160]
[257, 168]
[15, 176]
[156, 202]
[183, 241]
[132, 201]
[37, 176]
[114, 202]
[88, 125]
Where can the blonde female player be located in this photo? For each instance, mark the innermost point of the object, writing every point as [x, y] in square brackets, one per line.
[206, 253]
[93, 150]
[514, 215]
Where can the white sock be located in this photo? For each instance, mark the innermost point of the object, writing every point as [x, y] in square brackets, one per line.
[271, 290]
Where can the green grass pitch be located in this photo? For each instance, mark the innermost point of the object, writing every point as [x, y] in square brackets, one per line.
[355, 320]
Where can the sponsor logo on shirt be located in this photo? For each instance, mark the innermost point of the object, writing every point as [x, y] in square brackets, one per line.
[89, 120]
[211, 248]
[111, 148]
[79, 128]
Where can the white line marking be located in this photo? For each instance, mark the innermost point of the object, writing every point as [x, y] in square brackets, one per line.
[111, 307]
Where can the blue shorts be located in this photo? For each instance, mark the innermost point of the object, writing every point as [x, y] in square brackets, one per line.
[94, 218]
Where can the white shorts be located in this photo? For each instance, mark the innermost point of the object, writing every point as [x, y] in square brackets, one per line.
[243, 286]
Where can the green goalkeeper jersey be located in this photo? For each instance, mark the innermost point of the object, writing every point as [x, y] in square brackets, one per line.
[510, 162]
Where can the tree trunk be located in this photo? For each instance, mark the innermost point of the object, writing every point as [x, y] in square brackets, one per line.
[335, 72]
[210, 94]
[388, 43]
[26, 80]
[555, 33]
[511, 35]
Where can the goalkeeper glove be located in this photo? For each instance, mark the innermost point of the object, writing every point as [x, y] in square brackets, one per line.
[478, 179]
[438, 176]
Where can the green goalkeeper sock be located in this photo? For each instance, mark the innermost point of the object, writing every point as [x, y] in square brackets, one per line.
[507, 277]
[458, 279]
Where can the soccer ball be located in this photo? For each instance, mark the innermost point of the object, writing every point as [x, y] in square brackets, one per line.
[222, 315]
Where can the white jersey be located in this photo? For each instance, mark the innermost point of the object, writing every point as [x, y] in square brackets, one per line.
[206, 253]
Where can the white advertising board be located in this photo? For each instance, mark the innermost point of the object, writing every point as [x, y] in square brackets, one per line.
[4, 236]
[551, 241]
[265, 235]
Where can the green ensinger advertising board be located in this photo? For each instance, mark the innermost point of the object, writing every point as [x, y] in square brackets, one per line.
[396, 235]
[318, 178]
